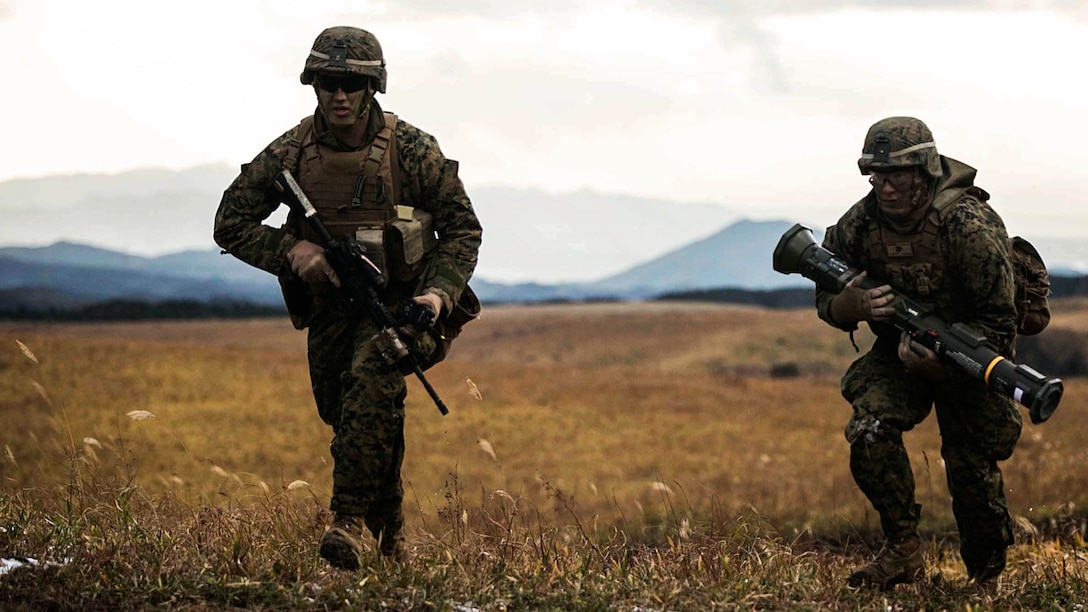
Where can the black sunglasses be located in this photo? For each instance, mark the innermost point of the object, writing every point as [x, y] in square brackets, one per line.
[347, 84]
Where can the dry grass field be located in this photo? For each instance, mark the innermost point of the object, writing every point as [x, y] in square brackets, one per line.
[608, 456]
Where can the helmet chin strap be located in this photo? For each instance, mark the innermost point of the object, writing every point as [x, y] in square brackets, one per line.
[921, 195]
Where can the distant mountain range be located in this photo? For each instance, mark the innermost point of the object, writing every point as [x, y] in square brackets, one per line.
[576, 246]
[66, 274]
[733, 264]
[738, 256]
[529, 234]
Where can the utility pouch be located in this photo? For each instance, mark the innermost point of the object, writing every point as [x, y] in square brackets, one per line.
[466, 310]
[410, 242]
[371, 237]
[299, 302]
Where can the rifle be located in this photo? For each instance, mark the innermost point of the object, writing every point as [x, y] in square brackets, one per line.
[360, 280]
[958, 344]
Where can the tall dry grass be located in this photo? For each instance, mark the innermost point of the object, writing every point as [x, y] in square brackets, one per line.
[595, 457]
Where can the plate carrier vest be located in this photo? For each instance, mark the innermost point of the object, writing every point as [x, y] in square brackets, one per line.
[359, 193]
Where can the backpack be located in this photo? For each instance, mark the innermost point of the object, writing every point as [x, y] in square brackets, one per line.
[1032, 287]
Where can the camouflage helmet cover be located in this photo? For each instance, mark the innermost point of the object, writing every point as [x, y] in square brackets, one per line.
[344, 50]
[899, 142]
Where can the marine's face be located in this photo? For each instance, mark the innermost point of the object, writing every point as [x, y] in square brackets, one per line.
[897, 190]
[342, 99]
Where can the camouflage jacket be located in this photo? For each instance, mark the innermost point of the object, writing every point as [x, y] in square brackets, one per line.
[979, 287]
[430, 182]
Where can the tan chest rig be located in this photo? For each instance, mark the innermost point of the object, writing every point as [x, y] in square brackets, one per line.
[914, 263]
[910, 263]
[358, 193]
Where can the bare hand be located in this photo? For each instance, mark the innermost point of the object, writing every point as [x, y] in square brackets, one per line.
[430, 301]
[855, 303]
[309, 263]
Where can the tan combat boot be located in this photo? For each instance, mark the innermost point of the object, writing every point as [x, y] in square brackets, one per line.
[900, 562]
[341, 545]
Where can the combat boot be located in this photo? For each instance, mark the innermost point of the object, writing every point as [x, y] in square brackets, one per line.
[394, 549]
[985, 573]
[341, 545]
[988, 587]
[900, 562]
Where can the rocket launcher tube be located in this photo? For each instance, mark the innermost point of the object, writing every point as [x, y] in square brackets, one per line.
[959, 344]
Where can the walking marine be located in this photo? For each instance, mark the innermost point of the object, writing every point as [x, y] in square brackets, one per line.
[385, 184]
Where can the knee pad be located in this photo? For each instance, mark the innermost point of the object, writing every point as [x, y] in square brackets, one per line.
[871, 430]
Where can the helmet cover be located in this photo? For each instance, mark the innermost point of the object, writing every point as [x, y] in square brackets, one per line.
[344, 50]
[899, 142]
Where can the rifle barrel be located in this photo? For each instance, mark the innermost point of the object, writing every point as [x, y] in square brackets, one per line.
[798, 253]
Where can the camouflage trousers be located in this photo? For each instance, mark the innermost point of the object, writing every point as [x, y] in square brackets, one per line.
[978, 429]
[361, 396]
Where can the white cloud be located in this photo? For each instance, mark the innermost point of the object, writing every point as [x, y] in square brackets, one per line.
[761, 105]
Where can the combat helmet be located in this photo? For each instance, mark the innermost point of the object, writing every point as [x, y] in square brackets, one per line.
[345, 50]
[899, 142]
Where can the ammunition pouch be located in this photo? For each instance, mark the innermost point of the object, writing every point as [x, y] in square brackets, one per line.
[410, 240]
[402, 248]
[372, 239]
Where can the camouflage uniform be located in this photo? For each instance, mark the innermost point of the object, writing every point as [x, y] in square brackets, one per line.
[978, 428]
[358, 393]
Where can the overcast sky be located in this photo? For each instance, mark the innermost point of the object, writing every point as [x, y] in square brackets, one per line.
[759, 104]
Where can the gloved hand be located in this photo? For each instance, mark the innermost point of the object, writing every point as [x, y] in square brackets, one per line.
[854, 304]
[920, 360]
[308, 262]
